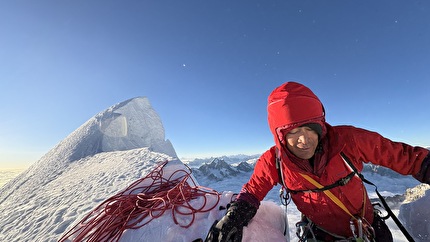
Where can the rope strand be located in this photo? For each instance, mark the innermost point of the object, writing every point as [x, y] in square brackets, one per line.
[146, 199]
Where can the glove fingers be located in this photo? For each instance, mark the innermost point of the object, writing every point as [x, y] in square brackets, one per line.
[230, 235]
[213, 234]
[238, 236]
[234, 235]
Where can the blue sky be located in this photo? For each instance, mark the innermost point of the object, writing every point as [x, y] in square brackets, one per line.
[207, 68]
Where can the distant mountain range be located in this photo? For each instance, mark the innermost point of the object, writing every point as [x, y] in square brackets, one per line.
[231, 159]
[218, 169]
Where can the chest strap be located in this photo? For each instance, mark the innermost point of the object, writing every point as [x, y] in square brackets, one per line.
[341, 182]
[332, 197]
[326, 189]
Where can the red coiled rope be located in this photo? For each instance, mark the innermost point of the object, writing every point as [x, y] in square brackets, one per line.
[146, 199]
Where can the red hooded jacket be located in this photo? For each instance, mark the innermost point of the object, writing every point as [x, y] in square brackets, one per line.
[292, 105]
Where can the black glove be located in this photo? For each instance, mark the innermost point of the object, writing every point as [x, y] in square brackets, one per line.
[230, 227]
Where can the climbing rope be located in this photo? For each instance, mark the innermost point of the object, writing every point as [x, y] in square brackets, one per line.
[146, 199]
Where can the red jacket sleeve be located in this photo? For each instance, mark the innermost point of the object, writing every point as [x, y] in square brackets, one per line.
[367, 146]
[262, 180]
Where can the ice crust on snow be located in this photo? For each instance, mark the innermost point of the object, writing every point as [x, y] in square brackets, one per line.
[128, 125]
[415, 213]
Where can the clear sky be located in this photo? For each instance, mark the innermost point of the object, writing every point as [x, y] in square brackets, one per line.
[207, 68]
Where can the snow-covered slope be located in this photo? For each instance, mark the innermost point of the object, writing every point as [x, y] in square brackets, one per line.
[124, 126]
[97, 161]
[104, 155]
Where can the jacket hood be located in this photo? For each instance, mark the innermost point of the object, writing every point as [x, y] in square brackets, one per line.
[292, 105]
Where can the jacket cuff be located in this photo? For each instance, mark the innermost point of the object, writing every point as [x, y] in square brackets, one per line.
[424, 174]
[246, 196]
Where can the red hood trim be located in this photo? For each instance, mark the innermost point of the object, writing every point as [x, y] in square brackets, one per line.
[291, 105]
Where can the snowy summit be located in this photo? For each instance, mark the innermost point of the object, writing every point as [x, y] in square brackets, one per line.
[100, 159]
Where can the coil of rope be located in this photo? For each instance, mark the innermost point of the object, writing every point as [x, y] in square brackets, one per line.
[146, 199]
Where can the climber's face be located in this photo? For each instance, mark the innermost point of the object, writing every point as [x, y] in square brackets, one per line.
[302, 142]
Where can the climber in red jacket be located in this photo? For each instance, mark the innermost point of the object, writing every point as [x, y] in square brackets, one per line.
[313, 168]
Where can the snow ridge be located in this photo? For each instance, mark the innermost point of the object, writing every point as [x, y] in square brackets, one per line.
[127, 125]
[104, 155]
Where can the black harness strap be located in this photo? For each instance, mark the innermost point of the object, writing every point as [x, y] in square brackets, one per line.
[384, 203]
[278, 168]
[341, 182]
